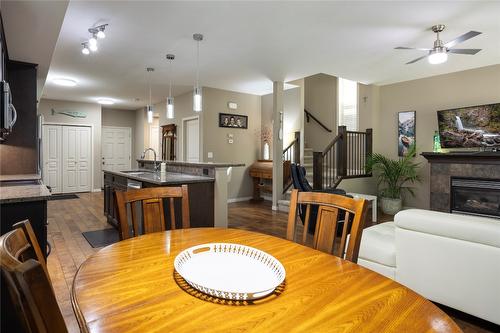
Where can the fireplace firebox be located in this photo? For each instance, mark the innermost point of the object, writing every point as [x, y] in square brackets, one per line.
[476, 196]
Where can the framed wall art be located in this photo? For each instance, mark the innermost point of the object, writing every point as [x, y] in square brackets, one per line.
[406, 131]
[233, 120]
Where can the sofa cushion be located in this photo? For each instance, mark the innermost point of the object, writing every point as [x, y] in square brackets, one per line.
[378, 244]
[474, 229]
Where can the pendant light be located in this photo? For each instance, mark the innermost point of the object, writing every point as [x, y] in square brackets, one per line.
[170, 99]
[149, 108]
[197, 99]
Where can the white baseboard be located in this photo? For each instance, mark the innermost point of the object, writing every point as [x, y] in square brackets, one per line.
[238, 199]
[96, 190]
[265, 197]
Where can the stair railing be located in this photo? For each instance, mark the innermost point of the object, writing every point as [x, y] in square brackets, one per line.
[345, 157]
[310, 116]
[291, 154]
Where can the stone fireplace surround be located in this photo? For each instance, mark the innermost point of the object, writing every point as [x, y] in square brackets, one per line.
[484, 165]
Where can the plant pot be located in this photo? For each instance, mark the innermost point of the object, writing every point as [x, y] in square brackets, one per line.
[391, 206]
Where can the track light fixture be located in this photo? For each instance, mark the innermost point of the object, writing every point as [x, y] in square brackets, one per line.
[96, 33]
[85, 49]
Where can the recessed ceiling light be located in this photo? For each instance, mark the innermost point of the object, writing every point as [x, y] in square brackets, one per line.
[64, 82]
[105, 101]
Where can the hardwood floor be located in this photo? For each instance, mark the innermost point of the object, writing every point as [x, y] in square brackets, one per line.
[69, 218]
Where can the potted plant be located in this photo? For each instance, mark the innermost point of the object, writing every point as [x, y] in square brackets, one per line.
[393, 178]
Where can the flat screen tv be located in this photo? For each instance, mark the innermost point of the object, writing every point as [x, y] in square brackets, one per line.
[469, 127]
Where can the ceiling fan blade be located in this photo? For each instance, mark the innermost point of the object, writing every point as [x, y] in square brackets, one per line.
[410, 48]
[462, 38]
[415, 60]
[464, 51]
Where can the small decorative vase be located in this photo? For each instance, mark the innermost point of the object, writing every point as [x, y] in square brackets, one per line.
[266, 151]
[391, 206]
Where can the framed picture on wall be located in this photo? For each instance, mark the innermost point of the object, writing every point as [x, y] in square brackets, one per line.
[406, 131]
[233, 120]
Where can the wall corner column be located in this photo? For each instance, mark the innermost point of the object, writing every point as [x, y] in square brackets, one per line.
[277, 142]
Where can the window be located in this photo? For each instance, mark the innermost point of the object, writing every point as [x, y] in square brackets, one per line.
[348, 104]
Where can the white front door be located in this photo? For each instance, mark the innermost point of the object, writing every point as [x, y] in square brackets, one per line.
[116, 147]
[191, 140]
[76, 159]
[52, 157]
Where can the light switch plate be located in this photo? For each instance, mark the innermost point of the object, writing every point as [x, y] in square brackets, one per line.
[210, 154]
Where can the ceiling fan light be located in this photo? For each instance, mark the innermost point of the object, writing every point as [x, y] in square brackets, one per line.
[93, 47]
[436, 58]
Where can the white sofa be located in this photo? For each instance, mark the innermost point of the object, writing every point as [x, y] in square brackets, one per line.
[448, 258]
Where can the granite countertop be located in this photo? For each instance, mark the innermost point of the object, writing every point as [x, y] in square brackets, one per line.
[165, 178]
[23, 191]
[196, 164]
[9, 178]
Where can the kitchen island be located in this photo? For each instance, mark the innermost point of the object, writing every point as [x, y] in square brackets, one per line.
[200, 189]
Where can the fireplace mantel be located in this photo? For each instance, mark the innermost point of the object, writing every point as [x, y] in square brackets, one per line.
[482, 157]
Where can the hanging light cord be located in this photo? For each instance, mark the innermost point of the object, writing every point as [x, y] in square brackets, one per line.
[170, 83]
[198, 64]
[149, 79]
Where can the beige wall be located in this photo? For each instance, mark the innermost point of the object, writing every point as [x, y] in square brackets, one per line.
[426, 96]
[320, 99]
[121, 118]
[292, 115]
[93, 118]
[246, 146]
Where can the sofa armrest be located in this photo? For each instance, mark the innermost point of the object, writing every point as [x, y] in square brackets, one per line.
[474, 229]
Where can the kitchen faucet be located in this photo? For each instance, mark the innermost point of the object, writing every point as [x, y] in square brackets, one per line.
[144, 155]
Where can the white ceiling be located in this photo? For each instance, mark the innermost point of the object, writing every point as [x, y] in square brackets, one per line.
[249, 44]
[31, 32]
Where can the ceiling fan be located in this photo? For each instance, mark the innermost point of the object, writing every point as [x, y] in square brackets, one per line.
[439, 53]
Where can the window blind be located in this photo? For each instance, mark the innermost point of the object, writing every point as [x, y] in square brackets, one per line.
[348, 104]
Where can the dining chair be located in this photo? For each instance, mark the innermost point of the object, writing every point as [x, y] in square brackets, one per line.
[328, 208]
[152, 217]
[25, 276]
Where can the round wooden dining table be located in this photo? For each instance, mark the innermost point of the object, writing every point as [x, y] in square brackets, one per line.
[131, 286]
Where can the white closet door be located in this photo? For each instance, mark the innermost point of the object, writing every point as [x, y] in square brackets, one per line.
[52, 157]
[76, 159]
[84, 159]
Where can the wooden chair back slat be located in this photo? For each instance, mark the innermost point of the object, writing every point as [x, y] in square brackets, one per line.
[326, 224]
[329, 207]
[172, 214]
[24, 271]
[31, 238]
[153, 211]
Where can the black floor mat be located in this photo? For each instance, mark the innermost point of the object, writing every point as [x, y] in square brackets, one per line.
[100, 238]
[63, 196]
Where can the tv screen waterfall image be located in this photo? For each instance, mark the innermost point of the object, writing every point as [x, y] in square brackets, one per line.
[474, 126]
[406, 131]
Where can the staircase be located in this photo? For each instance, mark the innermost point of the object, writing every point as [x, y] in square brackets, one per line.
[343, 158]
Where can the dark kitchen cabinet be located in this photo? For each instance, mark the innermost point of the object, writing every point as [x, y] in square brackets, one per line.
[112, 183]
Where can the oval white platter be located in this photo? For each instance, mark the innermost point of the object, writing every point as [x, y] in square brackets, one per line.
[230, 271]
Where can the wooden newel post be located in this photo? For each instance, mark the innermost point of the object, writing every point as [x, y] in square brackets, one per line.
[296, 148]
[342, 151]
[368, 144]
[318, 170]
